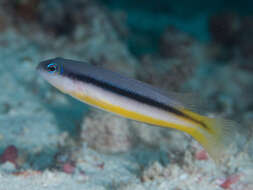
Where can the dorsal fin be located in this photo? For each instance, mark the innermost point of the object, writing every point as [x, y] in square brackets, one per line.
[190, 101]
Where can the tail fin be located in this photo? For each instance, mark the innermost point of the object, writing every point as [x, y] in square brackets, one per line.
[216, 137]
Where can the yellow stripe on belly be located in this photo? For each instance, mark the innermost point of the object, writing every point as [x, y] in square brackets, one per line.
[130, 114]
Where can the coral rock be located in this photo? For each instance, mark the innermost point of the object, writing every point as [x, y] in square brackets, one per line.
[106, 132]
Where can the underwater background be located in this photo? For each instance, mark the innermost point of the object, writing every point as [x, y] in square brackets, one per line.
[50, 141]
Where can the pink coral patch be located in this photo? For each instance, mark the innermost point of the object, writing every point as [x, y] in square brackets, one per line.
[10, 154]
[201, 155]
[229, 181]
[68, 168]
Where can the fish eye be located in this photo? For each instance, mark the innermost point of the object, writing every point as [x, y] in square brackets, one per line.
[52, 67]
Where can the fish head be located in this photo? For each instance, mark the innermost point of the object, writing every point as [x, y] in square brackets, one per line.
[52, 70]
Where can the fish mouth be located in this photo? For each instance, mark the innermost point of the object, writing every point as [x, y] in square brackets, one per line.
[39, 67]
[41, 71]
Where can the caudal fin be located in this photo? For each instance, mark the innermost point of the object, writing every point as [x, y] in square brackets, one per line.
[216, 137]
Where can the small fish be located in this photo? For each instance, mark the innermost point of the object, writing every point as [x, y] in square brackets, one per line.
[135, 100]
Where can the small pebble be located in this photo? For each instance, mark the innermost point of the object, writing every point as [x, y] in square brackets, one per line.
[68, 168]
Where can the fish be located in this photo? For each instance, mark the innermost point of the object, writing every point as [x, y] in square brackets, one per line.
[136, 100]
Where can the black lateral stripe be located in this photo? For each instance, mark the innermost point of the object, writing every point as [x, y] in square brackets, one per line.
[131, 95]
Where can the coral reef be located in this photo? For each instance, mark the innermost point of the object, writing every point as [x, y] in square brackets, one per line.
[50, 141]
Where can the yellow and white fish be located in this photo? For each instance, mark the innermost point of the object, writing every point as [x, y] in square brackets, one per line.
[135, 100]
